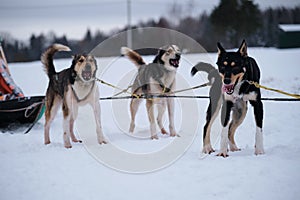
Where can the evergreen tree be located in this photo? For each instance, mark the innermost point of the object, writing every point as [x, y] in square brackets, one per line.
[234, 20]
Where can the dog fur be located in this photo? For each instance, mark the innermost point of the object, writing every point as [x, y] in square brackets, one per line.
[231, 90]
[158, 77]
[70, 88]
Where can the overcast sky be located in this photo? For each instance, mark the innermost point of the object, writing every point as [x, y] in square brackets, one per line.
[73, 17]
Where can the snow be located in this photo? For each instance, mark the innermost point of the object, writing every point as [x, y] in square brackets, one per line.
[289, 27]
[31, 170]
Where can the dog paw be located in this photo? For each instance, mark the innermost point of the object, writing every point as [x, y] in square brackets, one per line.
[102, 141]
[173, 134]
[68, 146]
[47, 142]
[75, 141]
[208, 149]
[223, 154]
[234, 148]
[163, 131]
[259, 152]
[154, 137]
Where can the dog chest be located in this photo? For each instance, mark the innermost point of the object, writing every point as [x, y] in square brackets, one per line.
[237, 94]
[82, 90]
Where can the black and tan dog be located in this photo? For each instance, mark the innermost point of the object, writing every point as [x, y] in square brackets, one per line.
[155, 78]
[231, 89]
[70, 88]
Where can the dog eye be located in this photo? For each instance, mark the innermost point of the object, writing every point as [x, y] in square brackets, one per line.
[91, 60]
[81, 60]
[169, 52]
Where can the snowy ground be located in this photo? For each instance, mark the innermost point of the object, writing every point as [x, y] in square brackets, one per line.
[31, 170]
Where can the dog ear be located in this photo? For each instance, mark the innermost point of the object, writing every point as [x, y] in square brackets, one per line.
[75, 59]
[243, 49]
[220, 49]
[158, 56]
[95, 61]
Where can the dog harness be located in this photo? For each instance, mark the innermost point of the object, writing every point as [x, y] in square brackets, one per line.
[86, 96]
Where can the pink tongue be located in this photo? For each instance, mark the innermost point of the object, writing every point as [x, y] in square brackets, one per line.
[227, 88]
[87, 75]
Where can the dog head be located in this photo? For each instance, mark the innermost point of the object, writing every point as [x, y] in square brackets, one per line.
[231, 66]
[169, 56]
[84, 67]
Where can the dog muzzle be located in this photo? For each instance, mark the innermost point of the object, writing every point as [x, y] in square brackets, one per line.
[175, 61]
[228, 88]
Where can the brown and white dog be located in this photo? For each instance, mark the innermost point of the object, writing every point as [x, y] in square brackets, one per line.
[155, 78]
[70, 88]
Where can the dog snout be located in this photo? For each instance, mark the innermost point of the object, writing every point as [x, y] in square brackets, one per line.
[88, 67]
[177, 56]
[227, 81]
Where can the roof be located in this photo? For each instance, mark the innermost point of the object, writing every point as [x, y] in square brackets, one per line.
[290, 27]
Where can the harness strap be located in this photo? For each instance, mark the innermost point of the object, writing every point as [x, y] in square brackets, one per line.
[165, 89]
[84, 98]
[110, 85]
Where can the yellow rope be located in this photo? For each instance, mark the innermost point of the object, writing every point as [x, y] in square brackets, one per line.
[138, 96]
[297, 96]
[113, 86]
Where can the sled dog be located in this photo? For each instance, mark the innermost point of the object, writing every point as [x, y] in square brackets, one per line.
[157, 77]
[70, 88]
[231, 90]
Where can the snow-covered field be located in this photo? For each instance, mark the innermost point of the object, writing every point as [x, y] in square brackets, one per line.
[31, 170]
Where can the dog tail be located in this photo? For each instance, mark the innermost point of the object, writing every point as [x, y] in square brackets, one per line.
[213, 73]
[133, 56]
[47, 57]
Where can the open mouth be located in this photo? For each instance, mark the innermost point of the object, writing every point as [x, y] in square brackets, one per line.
[174, 62]
[228, 88]
[86, 75]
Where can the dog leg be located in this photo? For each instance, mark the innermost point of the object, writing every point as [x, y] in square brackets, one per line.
[73, 117]
[52, 106]
[224, 142]
[258, 113]
[66, 136]
[170, 103]
[97, 115]
[150, 110]
[161, 110]
[211, 114]
[134, 105]
[259, 147]
[238, 116]
[207, 148]
[225, 115]
[66, 124]
[73, 137]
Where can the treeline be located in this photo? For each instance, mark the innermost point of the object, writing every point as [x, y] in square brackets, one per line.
[17, 51]
[229, 22]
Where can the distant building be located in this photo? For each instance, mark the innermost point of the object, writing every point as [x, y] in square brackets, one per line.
[289, 36]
